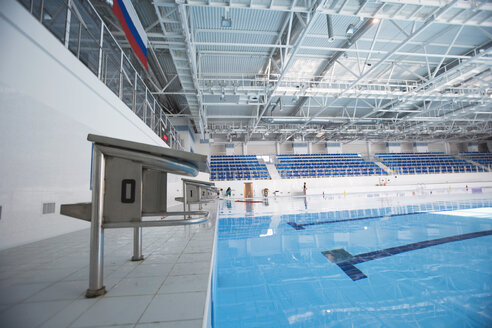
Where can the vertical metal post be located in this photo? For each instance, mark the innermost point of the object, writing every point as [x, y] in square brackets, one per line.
[185, 198]
[144, 108]
[99, 69]
[78, 41]
[41, 12]
[135, 94]
[199, 198]
[121, 75]
[137, 244]
[67, 23]
[96, 287]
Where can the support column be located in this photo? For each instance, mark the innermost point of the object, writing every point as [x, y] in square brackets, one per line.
[67, 23]
[185, 198]
[137, 244]
[100, 63]
[368, 148]
[96, 287]
[447, 148]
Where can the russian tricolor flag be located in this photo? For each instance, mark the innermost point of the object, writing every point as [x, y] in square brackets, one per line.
[134, 31]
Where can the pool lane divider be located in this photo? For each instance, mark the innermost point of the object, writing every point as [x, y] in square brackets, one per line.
[301, 226]
[347, 261]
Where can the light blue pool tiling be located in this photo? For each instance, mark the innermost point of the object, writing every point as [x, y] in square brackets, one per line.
[422, 269]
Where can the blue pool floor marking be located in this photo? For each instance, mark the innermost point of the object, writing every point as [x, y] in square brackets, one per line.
[302, 225]
[347, 261]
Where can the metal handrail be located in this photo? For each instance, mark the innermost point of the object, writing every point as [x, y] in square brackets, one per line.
[156, 119]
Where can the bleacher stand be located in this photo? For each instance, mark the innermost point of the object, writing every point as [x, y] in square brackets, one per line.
[237, 167]
[325, 165]
[481, 158]
[424, 163]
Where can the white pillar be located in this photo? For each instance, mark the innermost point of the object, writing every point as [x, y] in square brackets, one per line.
[447, 148]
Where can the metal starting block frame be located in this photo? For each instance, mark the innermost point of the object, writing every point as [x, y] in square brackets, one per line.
[197, 192]
[129, 181]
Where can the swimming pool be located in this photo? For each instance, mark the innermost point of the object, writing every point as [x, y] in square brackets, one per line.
[385, 266]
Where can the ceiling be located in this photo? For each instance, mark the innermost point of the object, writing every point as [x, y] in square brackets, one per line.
[329, 70]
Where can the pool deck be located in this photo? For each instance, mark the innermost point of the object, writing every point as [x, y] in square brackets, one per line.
[43, 284]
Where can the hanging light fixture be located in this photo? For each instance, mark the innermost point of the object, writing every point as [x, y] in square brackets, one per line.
[350, 30]
[226, 21]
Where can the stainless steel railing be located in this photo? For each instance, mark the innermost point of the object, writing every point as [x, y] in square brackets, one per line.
[79, 27]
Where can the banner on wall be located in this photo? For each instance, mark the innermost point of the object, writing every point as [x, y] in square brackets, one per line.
[134, 31]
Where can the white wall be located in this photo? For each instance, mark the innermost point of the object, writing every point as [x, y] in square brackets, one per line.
[354, 147]
[436, 147]
[217, 149]
[261, 148]
[201, 147]
[378, 148]
[286, 148]
[406, 147]
[472, 146]
[420, 147]
[300, 147]
[49, 102]
[318, 148]
[229, 149]
[238, 149]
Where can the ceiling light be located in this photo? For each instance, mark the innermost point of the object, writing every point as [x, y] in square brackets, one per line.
[375, 20]
[47, 16]
[350, 30]
[225, 22]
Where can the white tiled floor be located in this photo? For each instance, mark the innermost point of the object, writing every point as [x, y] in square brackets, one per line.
[43, 284]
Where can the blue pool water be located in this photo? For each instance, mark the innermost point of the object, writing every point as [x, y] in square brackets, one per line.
[270, 274]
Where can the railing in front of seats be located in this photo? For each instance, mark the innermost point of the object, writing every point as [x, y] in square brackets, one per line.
[78, 26]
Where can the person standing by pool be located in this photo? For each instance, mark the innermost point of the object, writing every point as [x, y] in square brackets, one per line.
[304, 188]
[228, 192]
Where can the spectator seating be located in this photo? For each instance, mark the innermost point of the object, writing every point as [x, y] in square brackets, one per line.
[480, 158]
[325, 165]
[423, 163]
[237, 167]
